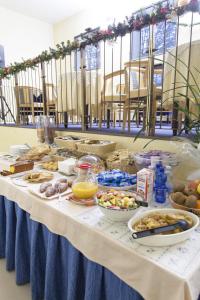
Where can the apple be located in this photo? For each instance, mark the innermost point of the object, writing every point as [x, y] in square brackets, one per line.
[192, 185]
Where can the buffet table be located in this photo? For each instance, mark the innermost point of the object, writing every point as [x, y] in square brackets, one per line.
[72, 252]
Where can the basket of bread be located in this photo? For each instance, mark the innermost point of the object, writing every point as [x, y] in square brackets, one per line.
[69, 142]
[96, 147]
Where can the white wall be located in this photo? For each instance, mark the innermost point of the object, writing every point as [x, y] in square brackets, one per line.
[101, 14]
[22, 36]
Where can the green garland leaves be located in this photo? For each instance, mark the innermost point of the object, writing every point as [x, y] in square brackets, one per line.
[135, 22]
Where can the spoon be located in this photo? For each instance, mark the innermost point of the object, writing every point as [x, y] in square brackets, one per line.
[154, 231]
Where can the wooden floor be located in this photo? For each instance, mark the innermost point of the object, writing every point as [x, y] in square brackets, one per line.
[8, 289]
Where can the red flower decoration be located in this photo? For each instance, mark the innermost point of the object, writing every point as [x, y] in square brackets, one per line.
[137, 24]
[164, 10]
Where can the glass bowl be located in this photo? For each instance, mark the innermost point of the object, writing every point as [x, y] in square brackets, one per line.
[143, 159]
[96, 163]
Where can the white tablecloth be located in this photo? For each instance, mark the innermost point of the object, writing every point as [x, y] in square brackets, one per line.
[157, 273]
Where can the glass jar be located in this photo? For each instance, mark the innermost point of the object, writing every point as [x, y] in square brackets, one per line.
[49, 130]
[40, 129]
[85, 185]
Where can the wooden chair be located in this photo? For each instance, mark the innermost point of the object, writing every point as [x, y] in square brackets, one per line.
[51, 98]
[137, 90]
[112, 95]
[26, 106]
[25, 103]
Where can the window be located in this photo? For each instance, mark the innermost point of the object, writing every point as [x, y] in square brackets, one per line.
[92, 58]
[144, 41]
[141, 50]
[170, 36]
[170, 39]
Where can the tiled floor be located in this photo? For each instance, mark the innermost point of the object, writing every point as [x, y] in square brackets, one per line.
[8, 289]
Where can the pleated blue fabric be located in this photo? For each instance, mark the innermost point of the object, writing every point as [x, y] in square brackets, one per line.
[55, 269]
[2, 228]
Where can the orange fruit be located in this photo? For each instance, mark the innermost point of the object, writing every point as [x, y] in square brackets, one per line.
[198, 204]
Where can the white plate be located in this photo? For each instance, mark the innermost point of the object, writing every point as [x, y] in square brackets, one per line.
[168, 239]
[18, 179]
[35, 191]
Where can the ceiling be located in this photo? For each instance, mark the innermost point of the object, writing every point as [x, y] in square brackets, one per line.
[50, 11]
[53, 11]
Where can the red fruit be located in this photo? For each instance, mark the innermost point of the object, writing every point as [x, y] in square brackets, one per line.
[192, 185]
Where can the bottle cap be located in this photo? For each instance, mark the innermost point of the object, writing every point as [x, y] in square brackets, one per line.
[85, 166]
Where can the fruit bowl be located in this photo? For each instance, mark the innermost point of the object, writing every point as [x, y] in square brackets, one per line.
[183, 207]
[186, 196]
[115, 212]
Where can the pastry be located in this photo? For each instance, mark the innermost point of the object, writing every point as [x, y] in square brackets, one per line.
[37, 177]
[50, 166]
[50, 191]
[44, 187]
[62, 187]
[36, 153]
[63, 180]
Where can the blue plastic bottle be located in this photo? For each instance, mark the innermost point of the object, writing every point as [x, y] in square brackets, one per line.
[160, 186]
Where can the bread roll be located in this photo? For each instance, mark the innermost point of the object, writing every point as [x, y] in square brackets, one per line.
[44, 186]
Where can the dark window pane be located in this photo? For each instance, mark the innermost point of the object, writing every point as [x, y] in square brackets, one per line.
[144, 41]
[170, 36]
[92, 58]
[170, 39]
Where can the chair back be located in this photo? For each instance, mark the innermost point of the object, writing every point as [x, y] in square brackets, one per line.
[136, 78]
[25, 94]
[114, 84]
[51, 93]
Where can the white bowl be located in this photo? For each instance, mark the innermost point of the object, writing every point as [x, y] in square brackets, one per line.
[118, 215]
[168, 239]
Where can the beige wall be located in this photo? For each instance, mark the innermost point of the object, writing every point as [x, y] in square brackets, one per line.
[12, 135]
[101, 13]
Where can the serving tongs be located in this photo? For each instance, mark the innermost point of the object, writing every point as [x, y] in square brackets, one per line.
[141, 203]
[184, 225]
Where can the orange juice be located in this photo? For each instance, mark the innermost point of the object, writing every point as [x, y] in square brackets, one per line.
[84, 190]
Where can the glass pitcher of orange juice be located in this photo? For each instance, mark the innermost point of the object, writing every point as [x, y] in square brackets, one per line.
[85, 185]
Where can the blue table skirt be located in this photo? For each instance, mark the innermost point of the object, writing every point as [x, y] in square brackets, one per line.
[55, 269]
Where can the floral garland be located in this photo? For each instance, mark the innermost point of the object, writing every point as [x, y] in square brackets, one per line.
[135, 22]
